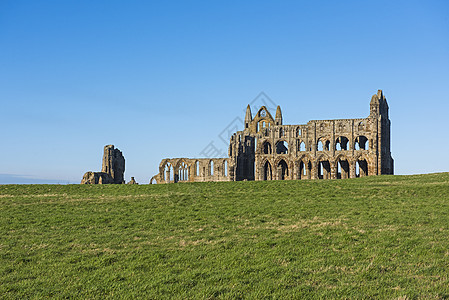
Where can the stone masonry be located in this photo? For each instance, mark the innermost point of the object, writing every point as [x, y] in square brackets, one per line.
[112, 171]
[266, 149]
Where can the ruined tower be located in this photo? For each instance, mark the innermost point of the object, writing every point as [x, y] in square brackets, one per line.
[114, 164]
[112, 171]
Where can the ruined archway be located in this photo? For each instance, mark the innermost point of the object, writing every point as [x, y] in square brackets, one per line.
[361, 167]
[341, 143]
[281, 147]
[282, 170]
[168, 172]
[267, 171]
[323, 168]
[183, 172]
[361, 143]
[266, 147]
[342, 164]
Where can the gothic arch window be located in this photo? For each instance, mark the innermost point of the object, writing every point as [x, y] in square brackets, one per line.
[341, 143]
[266, 148]
[225, 168]
[281, 147]
[282, 170]
[298, 132]
[320, 146]
[183, 172]
[211, 168]
[169, 173]
[361, 143]
[267, 171]
[361, 168]
[197, 168]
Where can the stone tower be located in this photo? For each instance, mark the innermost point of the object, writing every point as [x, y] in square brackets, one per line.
[114, 164]
[112, 171]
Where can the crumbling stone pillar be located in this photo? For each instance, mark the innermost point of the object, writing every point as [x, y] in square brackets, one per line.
[112, 171]
[114, 164]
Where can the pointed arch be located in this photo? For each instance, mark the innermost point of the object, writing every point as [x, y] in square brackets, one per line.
[211, 168]
[282, 170]
[281, 147]
[266, 147]
[267, 171]
[183, 171]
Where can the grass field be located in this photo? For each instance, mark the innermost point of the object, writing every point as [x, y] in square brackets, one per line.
[372, 237]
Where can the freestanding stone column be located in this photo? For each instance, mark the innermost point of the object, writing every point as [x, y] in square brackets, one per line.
[114, 164]
[112, 171]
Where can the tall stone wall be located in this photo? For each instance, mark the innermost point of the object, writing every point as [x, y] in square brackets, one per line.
[266, 149]
[114, 164]
[112, 171]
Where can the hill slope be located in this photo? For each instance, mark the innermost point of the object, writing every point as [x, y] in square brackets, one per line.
[385, 236]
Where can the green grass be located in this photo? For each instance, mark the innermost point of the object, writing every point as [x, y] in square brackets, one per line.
[372, 237]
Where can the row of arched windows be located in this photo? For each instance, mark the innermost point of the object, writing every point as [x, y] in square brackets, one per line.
[281, 147]
[182, 174]
[323, 171]
[341, 143]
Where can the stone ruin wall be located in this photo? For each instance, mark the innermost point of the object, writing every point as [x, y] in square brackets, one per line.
[321, 149]
[173, 170]
[112, 171]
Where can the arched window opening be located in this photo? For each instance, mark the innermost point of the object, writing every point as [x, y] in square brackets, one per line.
[302, 146]
[282, 170]
[302, 172]
[183, 172]
[169, 173]
[337, 146]
[263, 124]
[257, 127]
[327, 146]
[225, 168]
[266, 148]
[281, 147]
[341, 143]
[267, 174]
[153, 181]
[343, 169]
[197, 168]
[361, 168]
[324, 169]
[281, 132]
[320, 146]
[298, 132]
[361, 143]
[211, 168]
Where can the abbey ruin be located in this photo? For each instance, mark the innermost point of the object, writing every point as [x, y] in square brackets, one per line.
[112, 171]
[266, 149]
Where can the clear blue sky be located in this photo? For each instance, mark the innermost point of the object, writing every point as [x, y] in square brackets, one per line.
[164, 78]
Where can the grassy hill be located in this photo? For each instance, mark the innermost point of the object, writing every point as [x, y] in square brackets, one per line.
[379, 237]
